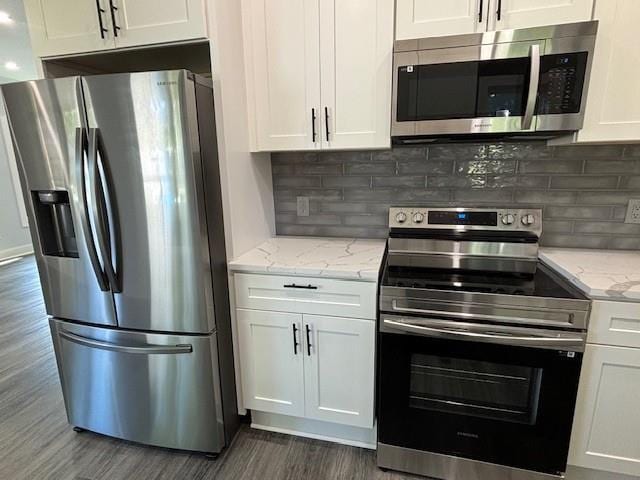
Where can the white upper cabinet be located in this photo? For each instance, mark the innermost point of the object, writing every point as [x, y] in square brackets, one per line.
[607, 418]
[65, 27]
[144, 22]
[510, 14]
[356, 46]
[612, 113]
[283, 69]
[338, 370]
[60, 27]
[319, 73]
[434, 18]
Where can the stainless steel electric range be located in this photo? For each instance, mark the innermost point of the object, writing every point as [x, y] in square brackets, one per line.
[480, 347]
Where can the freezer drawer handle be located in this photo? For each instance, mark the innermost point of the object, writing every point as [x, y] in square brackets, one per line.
[145, 350]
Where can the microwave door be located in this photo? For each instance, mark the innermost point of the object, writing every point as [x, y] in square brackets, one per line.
[46, 118]
[470, 95]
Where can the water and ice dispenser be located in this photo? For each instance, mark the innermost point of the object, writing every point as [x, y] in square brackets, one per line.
[55, 223]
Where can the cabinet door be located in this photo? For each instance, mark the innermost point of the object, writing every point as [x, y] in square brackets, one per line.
[356, 47]
[61, 27]
[271, 362]
[434, 18]
[508, 14]
[283, 67]
[339, 370]
[607, 419]
[613, 104]
[144, 22]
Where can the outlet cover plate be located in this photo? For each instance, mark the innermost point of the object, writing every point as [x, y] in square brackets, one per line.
[633, 211]
[303, 206]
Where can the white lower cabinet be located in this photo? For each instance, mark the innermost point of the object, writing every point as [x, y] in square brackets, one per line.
[272, 369]
[316, 367]
[607, 419]
[338, 370]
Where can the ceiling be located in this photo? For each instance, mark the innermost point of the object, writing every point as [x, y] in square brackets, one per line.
[15, 44]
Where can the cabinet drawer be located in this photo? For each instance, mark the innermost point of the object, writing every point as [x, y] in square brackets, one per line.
[324, 297]
[615, 323]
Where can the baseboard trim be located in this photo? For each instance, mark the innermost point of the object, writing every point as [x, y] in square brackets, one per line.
[20, 251]
[328, 432]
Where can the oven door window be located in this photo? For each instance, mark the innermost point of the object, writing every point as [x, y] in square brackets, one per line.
[489, 88]
[477, 388]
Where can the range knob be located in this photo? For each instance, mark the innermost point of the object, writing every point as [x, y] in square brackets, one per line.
[508, 219]
[418, 218]
[528, 219]
[401, 217]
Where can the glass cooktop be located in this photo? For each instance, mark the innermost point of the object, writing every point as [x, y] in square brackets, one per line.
[543, 283]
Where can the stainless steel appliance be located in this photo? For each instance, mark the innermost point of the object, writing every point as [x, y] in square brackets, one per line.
[480, 347]
[531, 81]
[121, 179]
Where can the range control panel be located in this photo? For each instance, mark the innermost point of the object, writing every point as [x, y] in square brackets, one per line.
[504, 219]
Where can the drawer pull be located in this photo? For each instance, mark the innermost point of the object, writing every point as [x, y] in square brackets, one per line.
[306, 287]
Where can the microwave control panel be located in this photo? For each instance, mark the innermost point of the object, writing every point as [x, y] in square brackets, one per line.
[561, 83]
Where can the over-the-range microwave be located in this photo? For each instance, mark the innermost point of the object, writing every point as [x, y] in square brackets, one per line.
[511, 82]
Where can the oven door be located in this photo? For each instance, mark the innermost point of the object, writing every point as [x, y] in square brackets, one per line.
[497, 394]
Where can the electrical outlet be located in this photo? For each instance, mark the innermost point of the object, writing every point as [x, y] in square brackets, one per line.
[303, 206]
[633, 211]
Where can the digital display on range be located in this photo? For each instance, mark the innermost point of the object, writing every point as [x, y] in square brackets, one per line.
[484, 219]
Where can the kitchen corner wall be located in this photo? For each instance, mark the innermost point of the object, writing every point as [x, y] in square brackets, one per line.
[583, 190]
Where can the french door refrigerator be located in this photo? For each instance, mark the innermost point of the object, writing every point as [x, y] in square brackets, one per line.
[120, 175]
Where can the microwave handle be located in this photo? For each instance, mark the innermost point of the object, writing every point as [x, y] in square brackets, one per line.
[534, 81]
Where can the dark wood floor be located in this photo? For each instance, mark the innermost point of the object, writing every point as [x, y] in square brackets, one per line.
[37, 443]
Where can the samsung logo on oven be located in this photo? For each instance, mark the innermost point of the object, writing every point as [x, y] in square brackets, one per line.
[468, 435]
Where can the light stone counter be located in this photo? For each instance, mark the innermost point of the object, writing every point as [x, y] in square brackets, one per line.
[600, 274]
[342, 258]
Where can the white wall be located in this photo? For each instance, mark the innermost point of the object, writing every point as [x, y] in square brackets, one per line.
[15, 46]
[14, 235]
[247, 191]
[246, 178]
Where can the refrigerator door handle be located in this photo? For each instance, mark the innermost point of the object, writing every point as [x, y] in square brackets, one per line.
[113, 347]
[104, 227]
[81, 149]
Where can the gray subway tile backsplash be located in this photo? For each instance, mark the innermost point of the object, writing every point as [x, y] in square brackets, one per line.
[583, 190]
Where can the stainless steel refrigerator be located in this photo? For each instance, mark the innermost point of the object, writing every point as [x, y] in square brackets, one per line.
[121, 179]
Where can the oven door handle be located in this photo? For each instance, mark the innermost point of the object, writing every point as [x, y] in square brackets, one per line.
[457, 332]
[469, 316]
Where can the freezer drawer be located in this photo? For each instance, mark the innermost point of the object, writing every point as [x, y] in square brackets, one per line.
[155, 389]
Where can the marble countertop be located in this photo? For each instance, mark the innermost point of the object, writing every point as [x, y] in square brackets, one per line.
[600, 274]
[342, 258]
